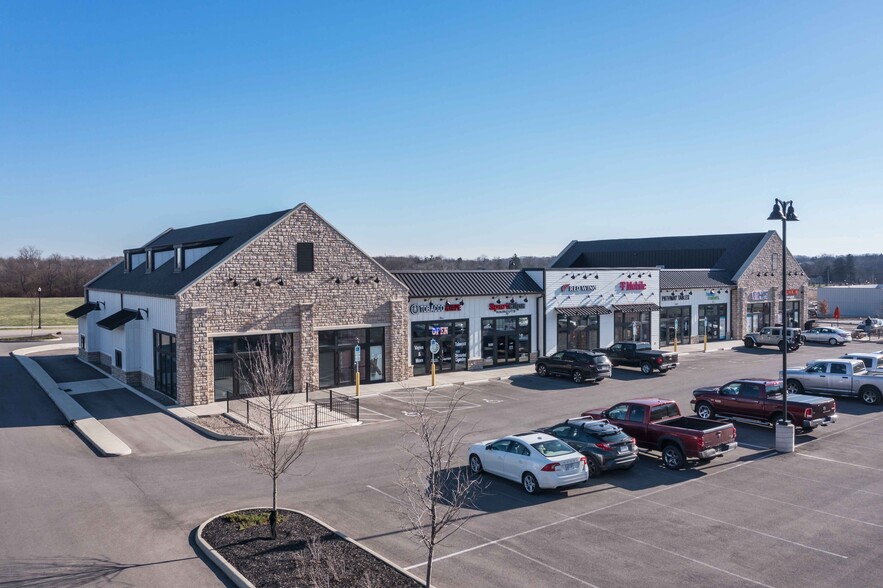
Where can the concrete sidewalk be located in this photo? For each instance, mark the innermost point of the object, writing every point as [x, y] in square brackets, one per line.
[465, 378]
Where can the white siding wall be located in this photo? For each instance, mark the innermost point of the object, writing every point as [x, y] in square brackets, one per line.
[474, 309]
[135, 339]
[606, 293]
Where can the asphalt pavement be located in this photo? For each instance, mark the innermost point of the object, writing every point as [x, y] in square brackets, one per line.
[751, 518]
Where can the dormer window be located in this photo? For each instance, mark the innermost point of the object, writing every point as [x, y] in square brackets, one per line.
[194, 254]
[137, 259]
[161, 257]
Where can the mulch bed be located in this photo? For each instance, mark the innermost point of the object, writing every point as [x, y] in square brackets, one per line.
[224, 426]
[304, 554]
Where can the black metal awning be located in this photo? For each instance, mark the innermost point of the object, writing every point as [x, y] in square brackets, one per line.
[636, 307]
[81, 310]
[583, 310]
[118, 319]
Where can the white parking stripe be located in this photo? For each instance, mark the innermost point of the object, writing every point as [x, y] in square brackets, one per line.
[802, 507]
[855, 465]
[816, 480]
[741, 528]
[670, 552]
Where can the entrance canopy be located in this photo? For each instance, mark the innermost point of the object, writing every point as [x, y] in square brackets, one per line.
[582, 310]
[636, 307]
[118, 319]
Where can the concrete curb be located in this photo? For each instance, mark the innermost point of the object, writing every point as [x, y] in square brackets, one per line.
[241, 581]
[105, 442]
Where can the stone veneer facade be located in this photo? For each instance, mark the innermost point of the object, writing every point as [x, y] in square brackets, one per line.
[749, 282]
[306, 303]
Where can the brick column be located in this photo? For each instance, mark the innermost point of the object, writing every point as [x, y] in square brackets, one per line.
[306, 350]
[398, 339]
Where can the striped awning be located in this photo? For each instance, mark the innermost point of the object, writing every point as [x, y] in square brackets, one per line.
[583, 310]
[636, 307]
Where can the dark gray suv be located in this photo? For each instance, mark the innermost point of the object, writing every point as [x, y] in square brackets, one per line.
[605, 445]
[576, 364]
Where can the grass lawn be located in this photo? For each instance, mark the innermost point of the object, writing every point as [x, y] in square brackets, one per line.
[16, 312]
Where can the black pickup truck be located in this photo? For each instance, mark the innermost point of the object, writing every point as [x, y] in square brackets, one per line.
[641, 355]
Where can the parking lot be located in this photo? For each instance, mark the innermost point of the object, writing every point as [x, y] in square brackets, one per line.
[753, 517]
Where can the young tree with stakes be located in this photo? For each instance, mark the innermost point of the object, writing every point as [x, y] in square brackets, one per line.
[268, 377]
[436, 486]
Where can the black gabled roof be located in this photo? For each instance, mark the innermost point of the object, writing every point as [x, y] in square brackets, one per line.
[425, 284]
[164, 281]
[725, 253]
[683, 279]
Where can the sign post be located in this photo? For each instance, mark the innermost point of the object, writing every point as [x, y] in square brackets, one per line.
[357, 356]
[433, 348]
[676, 335]
[705, 334]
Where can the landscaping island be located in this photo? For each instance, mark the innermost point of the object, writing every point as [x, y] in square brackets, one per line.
[306, 553]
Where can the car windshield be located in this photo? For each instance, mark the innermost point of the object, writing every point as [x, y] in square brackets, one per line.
[609, 435]
[552, 448]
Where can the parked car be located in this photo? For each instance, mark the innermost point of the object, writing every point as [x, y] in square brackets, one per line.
[828, 335]
[606, 446]
[657, 424]
[773, 336]
[760, 400]
[576, 364]
[837, 377]
[536, 460]
[641, 355]
[870, 324]
[873, 361]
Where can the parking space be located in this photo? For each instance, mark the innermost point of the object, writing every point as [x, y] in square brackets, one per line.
[751, 518]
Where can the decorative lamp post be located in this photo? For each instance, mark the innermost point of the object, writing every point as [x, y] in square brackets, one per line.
[39, 308]
[784, 211]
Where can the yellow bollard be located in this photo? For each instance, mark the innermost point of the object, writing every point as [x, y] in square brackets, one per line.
[433, 374]
[705, 342]
[357, 382]
[676, 344]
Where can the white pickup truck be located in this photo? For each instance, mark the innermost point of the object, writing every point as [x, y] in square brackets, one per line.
[837, 377]
[873, 361]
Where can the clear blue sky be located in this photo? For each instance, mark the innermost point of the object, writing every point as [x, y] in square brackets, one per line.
[461, 129]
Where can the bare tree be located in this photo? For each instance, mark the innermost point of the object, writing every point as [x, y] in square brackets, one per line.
[268, 377]
[435, 485]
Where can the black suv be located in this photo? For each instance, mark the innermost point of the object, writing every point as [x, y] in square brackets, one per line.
[581, 366]
[605, 445]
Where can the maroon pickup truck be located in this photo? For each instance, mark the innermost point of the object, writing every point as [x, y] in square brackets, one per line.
[657, 424]
[760, 399]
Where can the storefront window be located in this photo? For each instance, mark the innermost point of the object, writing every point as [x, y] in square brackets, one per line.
[337, 356]
[792, 307]
[233, 358]
[165, 364]
[632, 326]
[713, 321]
[578, 332]
[505, 340]
[674, 324]
[453, 341]
[757, 316]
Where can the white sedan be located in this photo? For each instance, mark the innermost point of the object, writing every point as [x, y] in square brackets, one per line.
[536, 460]
[827, 335]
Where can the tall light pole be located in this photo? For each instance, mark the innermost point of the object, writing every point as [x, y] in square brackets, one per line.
[39, 308]
[784, 211]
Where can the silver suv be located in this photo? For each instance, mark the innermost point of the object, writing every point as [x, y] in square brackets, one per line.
[773, 336]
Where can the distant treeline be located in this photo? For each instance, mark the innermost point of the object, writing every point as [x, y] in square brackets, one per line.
[20, 276]
[439, 262]
[844, 269]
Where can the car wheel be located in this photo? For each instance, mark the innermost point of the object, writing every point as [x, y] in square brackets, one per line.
[529, 483]
[704, 411]
[870, 395]
[795, 387]
[803, 339]
[781, 346]
[475, 464]
[673, 457]
[646, 368]
[542, 370]
[749, 343]
[594, 468]
[832, 341]
[578, 377]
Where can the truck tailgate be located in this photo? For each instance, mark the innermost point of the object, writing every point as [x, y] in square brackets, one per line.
[719, 435]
